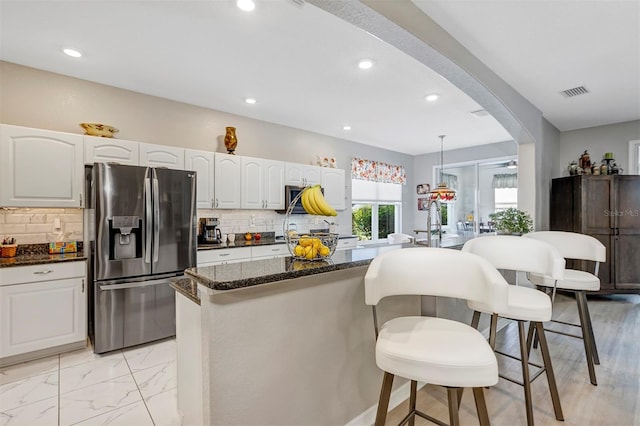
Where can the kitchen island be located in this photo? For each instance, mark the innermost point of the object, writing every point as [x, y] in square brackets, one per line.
[280, 341]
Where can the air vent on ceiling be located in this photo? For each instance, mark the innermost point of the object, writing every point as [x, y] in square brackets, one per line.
[479, 113]
[569, 93]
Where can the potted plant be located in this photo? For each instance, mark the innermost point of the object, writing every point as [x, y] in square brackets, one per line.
[512, 221]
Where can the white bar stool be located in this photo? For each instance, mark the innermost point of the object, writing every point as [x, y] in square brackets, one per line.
[524, 303]
[434, 350]
[572, 245]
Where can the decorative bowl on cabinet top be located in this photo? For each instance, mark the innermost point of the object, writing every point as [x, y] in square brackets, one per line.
[97, 129]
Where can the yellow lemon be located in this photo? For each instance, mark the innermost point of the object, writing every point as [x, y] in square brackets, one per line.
[324, 251]
[317, 243]
[305, 241]
[298, 250]
[310, 252]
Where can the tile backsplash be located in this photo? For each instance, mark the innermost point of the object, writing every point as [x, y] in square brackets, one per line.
[239, 221]
[33, 226]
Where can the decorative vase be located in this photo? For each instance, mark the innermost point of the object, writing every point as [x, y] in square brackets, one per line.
[230, 140]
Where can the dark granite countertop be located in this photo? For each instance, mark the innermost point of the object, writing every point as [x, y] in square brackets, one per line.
[39, 259]
[187, 287]
[241, 243]
[234, 276]
[253, 243]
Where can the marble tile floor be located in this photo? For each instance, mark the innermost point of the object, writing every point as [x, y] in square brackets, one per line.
[130, 387]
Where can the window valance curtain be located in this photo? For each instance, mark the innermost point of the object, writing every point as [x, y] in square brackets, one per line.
[377, 171]
[508, 180]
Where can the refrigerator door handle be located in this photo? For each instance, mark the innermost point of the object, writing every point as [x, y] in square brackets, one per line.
[156, 219]
[148, 207]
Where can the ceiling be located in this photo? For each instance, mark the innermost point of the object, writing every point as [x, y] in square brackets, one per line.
[300, 62]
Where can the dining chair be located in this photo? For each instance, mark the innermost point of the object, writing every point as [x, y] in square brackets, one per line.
[573, 245]
[434, 350]
[524, 304]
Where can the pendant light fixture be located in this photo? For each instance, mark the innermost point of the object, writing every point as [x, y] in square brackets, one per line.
[442, 192]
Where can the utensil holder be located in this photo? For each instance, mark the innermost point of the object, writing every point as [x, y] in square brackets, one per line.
[8, 251]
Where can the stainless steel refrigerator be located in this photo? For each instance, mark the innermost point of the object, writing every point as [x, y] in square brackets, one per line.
[145, 235]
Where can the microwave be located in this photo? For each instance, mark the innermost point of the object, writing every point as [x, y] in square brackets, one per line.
[291, 192]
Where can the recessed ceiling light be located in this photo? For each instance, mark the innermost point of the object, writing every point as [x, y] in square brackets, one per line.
[246, 5]
[72, 52]
[250, 100]
[346, 128]
[432, 97]
[365, 64]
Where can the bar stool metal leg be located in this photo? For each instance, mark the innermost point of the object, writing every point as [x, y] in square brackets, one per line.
[526, 380]
[582, 297]
[551, 378]
[481, 406]
[412, 402]
[452, 396]
[586, 337]
[383, 403]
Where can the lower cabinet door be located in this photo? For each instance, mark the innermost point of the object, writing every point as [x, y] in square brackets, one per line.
[41, 315]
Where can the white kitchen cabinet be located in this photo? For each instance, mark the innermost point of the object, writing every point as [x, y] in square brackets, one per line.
[42, 307]
[222, 256]
[107, 150]
[40, 168]
[333, 184]
[262, 184]
[227, 181]
[302, 174]
[153, 155]
[202, 162]
[269, 252]
[347, 243]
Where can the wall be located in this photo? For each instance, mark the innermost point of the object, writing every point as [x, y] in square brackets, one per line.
[41, 99]
[597, 140]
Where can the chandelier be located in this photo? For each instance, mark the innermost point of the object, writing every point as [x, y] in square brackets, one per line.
[442, 192]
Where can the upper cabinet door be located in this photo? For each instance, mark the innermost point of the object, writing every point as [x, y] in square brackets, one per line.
[106, 150]
[333, 184]
[40, 168]
[202, 162]
[302, 174]
[273, 184]
[227, 181]
[153, 155]
[251, 193]
[313, 175]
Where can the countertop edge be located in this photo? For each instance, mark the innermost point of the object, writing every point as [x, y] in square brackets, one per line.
[42, 259]
[186, 287]
[225, 286]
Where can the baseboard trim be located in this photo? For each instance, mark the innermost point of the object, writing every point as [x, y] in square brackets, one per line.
[42, 353]
[398, 396]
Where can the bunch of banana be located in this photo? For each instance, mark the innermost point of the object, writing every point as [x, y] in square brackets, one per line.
[314, 203]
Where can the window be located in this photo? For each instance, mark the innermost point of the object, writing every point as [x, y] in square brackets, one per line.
[505, 198]
[634, 157]
[376, 209]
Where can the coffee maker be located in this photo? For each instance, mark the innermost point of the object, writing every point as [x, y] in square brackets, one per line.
[208, 231]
